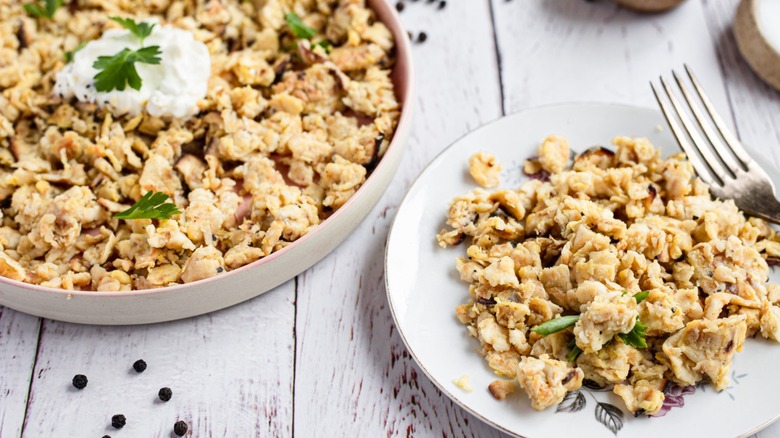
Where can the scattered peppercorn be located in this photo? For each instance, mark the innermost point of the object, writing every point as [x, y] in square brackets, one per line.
[106, 436]
[180, 428]
[80, 381]
[220, 269]
[165, 394]
[118, 421]
[442, 4]
[139, 366]
[422, 37]
[399, 6]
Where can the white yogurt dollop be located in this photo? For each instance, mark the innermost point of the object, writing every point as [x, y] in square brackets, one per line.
[171, 88]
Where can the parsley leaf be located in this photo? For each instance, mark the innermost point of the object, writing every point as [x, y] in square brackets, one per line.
[71, 53]
[636, 337]
[140, 30]
[152, 205]
[555, 325]
[118, 71]
[297, 27]
[640, 296]
[575, 351]
[47, 10]
[326, 45]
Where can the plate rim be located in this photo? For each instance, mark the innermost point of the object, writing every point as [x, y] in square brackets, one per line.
[434, 160]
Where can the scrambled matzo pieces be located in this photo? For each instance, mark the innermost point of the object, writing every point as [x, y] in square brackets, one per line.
[287, 133]
[621, 269]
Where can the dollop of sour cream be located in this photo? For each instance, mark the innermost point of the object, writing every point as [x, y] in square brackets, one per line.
[171, 88]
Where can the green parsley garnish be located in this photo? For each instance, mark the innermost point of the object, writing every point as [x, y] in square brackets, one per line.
[325, 44]
[640, 296]
[152, 205]
[575, 351]
[140, 30]
[555, 325]
[300, 30]
[47, 10]
[636, 337]
[71, 53]
[304, 32]
[118, 71]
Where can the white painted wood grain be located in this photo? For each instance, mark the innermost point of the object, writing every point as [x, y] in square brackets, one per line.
[354, 376]
[756, 106]
[230, 372]
[18, 342]
[564, 51]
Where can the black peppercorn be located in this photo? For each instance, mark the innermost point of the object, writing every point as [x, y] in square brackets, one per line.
[442, 4]
[118, 421]
[106, 436]
[180, 428]
[220, 269]
[422, 37]
[80, 381]
[165, 394]
[139, 366]
[399, 6]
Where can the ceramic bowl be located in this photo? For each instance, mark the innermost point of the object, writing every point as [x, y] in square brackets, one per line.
[182, 301]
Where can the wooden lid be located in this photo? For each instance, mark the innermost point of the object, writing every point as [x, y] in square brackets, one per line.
[649, 5]
[760, 48]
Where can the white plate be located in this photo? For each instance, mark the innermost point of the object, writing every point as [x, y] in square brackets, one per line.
[185, 300]
[423, 289]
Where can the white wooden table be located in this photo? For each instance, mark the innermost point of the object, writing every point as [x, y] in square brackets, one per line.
[319, 356]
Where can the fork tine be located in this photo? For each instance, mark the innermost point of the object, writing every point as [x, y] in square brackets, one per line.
[702, 169]
[725, 132]
[718, 171]
[717, 144]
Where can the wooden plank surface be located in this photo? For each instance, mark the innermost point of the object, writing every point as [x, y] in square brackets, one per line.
[354, 376]
[755, 106]
[18, 345]
[231, 374]
[578, 51]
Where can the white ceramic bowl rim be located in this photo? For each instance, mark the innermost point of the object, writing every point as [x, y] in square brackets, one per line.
[389, 234]
[402, 49]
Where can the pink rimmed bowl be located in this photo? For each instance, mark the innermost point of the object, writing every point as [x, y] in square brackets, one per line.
[183, 301]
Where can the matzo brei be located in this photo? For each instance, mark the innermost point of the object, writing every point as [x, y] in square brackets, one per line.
[288, 131]
[620, 269]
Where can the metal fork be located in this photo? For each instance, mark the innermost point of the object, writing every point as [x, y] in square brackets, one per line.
[730, 171]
